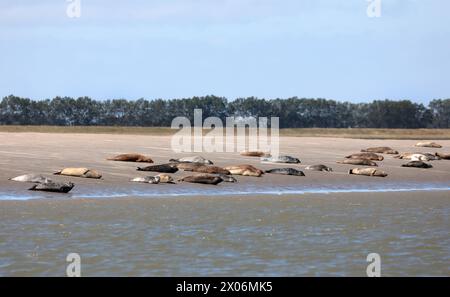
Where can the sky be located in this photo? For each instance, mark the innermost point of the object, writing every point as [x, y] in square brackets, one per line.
[232, 48]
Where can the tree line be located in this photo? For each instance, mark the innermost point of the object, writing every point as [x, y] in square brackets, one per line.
[292, 112]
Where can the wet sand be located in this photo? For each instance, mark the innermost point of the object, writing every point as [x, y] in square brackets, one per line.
[46, 153]
[323, 224]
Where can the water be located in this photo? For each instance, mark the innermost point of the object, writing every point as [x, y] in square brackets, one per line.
[236, 235]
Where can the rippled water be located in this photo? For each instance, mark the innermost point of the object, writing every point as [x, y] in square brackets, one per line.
[279, 235]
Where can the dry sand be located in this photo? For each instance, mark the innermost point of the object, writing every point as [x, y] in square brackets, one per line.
[46, 153]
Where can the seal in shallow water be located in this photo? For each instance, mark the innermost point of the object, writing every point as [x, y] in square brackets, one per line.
[194, 159]
[417, 164]
[428, 144]
[319, 167]
[131, 158]
[202, 179]
[53, 187]
[280, 159]
[368, 172]
[147, 179]
[79, 172]
[30, 178]
[163, 168]
[286, 171]
[380, 150]
[245, 170]
[369, 156]
[365, 162]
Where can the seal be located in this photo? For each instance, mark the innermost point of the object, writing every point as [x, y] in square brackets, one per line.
[187, 166]
[209, 169]
[165, 178]
[428, 144]
[147, 179]
[227, 178]
[30, 178]
[131, 158]
[53, 187]
[280, 159]
[194, 159]
[443, 156]
[369, 156]
[319, 167]
[253, 154]
[365, 162]
[368, 172]
[163, 168]
[286, 171]
[380, 150]
[202, 179]
[245, 170]
[417, 156]
[79, 172]
[417, 164]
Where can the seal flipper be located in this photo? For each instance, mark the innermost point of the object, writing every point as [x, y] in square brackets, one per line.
[57, 172]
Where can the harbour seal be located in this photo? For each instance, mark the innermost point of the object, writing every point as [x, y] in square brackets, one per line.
[443, 156]
[365, 162]
[428, 144]
[187, 166]
[417, 156]
[202, 179]
[165, 178]
[131, 158]
[245, 170]
[253, 154]
[147, 179]
[369, 156]
[417, 164]
[209, 169]
[380, 150]
[53, 187]
[31, 178]
[194, 159]
[319, 167]
[79, 172]
[286, 171]
[227, 178]
[280, 159]
[163, 168]
[368, 172]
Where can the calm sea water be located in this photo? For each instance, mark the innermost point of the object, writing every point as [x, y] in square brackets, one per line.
[271, 235]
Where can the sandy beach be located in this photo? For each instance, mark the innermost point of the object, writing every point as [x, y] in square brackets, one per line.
[323, 224]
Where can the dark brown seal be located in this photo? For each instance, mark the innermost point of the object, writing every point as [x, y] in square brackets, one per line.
[131, 158]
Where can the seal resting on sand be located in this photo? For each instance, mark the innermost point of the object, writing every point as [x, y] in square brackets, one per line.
[165, 178]
[369, 156]
[245, 170]
[30, 178]
[380, 150]
[286, 171]
[253, 154]
[194, 159]
[131, 158]
[368, 172]
[202, 179]
[417, 156]
[163, 168]
[280, 159]
[319, 167]
[53, 187]
[79, 172]
[147, 179]
[443, 156]
[417, 164]
[365, 162]
[428, 144]
[209, 169]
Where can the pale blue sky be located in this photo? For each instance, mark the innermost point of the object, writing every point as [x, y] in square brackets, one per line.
[233, 48]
